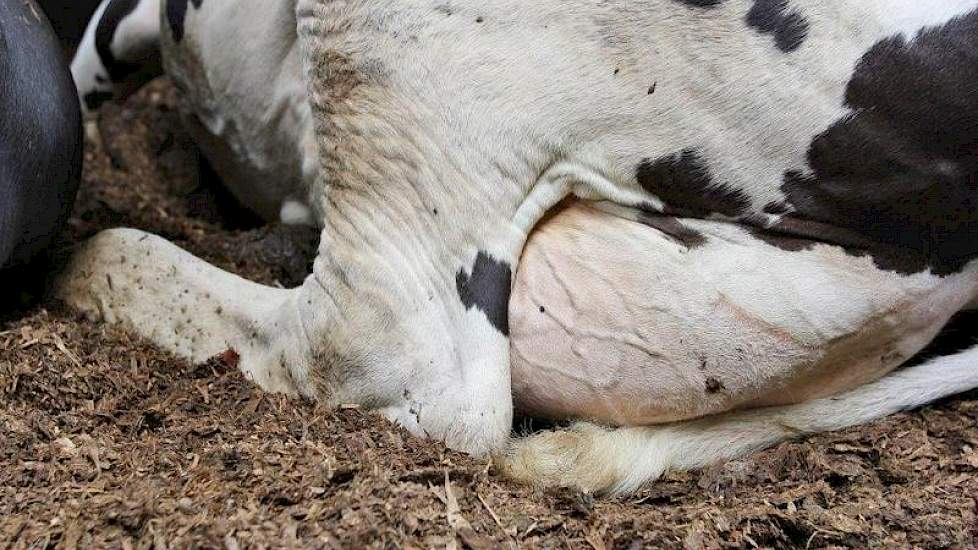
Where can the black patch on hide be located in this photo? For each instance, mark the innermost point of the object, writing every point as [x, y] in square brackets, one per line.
[673, 228]
[176, 15]
[684, 183]
[774, 17]
[108, 24]
[705, 4]
[897, 179]
[487, 287]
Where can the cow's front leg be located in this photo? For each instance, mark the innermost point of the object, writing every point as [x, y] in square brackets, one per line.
[181, 303]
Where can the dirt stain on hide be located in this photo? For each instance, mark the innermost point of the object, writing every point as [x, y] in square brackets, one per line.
[334, 78]
[714, 385]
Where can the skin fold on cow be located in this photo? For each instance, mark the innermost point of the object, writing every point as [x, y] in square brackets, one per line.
[699, 227]
[40, 136]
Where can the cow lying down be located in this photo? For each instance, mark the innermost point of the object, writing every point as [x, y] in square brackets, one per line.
[697, 227]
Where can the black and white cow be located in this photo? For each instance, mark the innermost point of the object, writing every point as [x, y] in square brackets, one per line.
[40, 134]
[119, 51]
[724, 223]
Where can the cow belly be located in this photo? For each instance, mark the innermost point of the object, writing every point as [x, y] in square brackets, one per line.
[625, 323]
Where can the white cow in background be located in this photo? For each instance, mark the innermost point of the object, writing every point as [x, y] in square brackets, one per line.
[724, 223]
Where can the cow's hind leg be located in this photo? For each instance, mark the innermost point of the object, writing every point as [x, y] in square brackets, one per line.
[612, 461]
[180, 302]
[119, 52]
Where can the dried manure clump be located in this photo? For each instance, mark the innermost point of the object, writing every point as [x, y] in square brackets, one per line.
[105, 442]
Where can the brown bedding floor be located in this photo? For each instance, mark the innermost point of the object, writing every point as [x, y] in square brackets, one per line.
[107, 442]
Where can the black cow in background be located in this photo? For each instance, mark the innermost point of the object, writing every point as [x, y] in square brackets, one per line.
[40, 138]
[68, 18]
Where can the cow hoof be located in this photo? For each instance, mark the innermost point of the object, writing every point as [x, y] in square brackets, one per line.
[86, 282]
[577, 458]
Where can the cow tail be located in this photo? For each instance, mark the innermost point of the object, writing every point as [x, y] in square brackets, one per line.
[622, 460]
